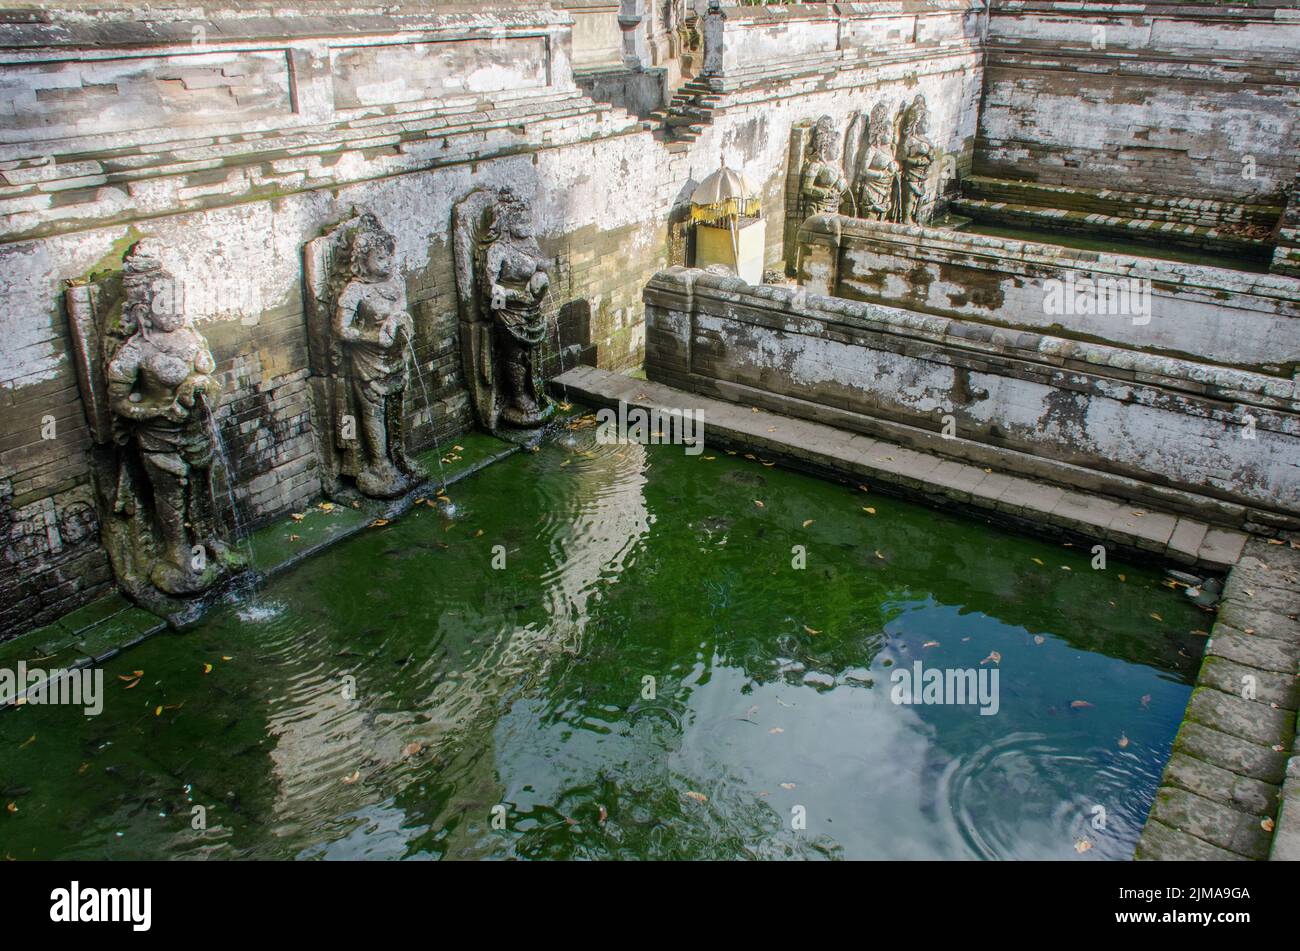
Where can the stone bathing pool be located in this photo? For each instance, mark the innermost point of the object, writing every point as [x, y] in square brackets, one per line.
[393, 696]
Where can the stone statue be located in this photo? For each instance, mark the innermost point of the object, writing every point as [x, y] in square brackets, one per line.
[916, 155]
[822, 184]
[501, 278]
[161, 394]
[878, 172]
[374, 332]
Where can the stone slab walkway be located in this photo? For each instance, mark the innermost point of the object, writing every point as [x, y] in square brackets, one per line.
[1026, 503]
[1231, 789]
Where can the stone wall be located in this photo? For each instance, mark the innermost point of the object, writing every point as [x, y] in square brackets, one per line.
[355, 106]
[1210, 314]
[1192, 99]
[768, 67]
[1222, 444]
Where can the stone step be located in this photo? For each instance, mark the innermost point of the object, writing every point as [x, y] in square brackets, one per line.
[1005, 495]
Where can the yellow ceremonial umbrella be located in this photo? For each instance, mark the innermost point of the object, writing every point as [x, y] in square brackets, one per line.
[724, 197]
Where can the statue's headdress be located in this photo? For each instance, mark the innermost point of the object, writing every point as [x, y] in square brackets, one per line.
[917, 114]
[823, 135]
[145, 284]
[370, 235]
[880, 122]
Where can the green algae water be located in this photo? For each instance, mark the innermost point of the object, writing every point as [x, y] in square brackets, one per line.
[608, 652]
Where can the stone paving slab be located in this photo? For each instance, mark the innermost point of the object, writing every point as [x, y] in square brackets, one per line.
[1286, 840]
[1266, 653]
[1248, 719]
[1027, 502]
[90, 635]
[1222, 785]
[1160, 843]
[1271, 687]
[1213, 822]
[1233, 781]
[1231, 752]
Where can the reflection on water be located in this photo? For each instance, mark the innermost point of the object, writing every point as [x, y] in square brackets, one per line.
[647, 676]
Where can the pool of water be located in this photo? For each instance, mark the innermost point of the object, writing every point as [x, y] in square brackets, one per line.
[648, 676]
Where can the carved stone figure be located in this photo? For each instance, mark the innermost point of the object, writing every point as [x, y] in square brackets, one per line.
[916, 155]
[878, 171]
[823, 184]
[150, 393]
[360, 300]
[501, 279]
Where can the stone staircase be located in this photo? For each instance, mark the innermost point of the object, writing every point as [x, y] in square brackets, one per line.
[687, 114]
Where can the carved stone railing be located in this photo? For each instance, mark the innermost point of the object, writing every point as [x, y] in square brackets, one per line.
[1112, 420]
[1227, 317]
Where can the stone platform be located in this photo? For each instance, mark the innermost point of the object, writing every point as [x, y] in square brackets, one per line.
[1136, 530]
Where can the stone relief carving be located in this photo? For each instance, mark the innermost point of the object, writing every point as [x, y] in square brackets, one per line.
[360, 316]
[815, 182]
[501, 279]
[150, 393]
[892, 168]
[822, 184]
[878, 169]
[915, 156]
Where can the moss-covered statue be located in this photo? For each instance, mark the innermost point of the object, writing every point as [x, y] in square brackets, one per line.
[374, 331]
[822, 185]
[878, 170]
[361, 336]
[916, 155]
[501, 281]
[161, 393]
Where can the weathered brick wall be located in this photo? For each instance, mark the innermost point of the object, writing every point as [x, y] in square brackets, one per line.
[52, 561]
[1192, 99]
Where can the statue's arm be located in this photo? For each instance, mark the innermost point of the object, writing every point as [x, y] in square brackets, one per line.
[345, 318]
[809, 184]
[200, 381]
[123, 371]
[500, 295]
